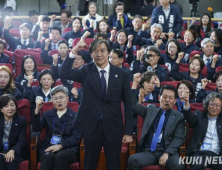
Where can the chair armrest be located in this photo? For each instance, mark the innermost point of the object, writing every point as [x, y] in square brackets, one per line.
[132, 146]
[33, 153]
[183, 150]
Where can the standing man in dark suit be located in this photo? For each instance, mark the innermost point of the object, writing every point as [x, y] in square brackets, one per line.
[100, 119]
[163, 131]
[206, 140]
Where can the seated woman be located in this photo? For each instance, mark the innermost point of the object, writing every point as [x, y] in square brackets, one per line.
[12, 134]
[91, 15]
[188, 46]
[194, 75]
[121, 39]
[216, 35]
[199, 36]
[28, 68]
[118, 19]
[149, 85]
[103, 28]
[202, 94]
[3, 57]
[7, 85]
[76, 32]
[183, 87]
[172, 50]
[46, 81]
[61, 145]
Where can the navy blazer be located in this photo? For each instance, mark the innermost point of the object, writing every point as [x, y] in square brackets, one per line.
[17, 136]
[113, 22]
[199, 121]
[92, 103]
[17, 94]
[188, 49]
[15, 43]
[4, 58]
[70, 135]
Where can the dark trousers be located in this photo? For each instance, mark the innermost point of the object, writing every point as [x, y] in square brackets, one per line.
[146, 158]
[59, 160]
[10, 165]
[93, 144]
[201, 164]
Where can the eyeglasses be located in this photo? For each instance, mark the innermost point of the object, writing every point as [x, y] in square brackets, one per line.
[212, 105]
[58, 98]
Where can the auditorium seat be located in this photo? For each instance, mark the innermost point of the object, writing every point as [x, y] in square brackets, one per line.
[185, 68]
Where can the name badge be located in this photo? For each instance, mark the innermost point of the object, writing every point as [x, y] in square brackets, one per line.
[55, 140]
[160, 137]
[46, 99]
[206, 146]
[6, 146]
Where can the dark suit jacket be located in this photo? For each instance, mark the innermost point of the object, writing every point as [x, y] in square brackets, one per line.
[70, 136]
[17, 137]
[199, 121]
[174, 134]
[92, 103]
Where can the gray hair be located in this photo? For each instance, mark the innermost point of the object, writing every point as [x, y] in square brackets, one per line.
[59, 88]
[154, 49]
[158, 26]
[210, 97]
[205, 40]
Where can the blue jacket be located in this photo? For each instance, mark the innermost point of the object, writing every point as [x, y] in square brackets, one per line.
[93, 104]
[202, 94]
[161, 72]
[177, 75]
[188, 49]
[112, 20]
[17, 136]
[70, 135]
[4, 58]
[174, 21]
[143, 41]
[21, 82]
[136, 35]
[17, 94]
[15, 43]
[71, 35]
[130, 73]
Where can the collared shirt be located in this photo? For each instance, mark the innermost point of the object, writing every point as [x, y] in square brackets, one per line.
[205, 59]
[7, 128]
[212, 136]
[56, 45]
[62, 27]
[27, 41]
[166, 11]
[106, 74]
[46, 94]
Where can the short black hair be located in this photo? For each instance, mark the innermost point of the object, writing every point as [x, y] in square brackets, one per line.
[189, 86]
[46, 19]
[200, 60]
[63, 42]
[168, 87]
[137, 16]
[23, 62]
[94, 44]
[96, 36]
[67, 12]
[146, 77]
[5, 98]
[118, 4]
[77, 19]
[25, 25]
[177, 44]
[44, 72]
[3, 42]
[56, 28]
[216, 76]
[33, 13]
[119, 53]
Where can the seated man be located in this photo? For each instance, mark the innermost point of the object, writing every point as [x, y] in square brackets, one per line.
[156, 30]
[150, 63]
[116, 58]
[24, 42]
[41, 30]
[211, 61]
[61, 145]
[205, 143]
[64, 20]
[33, 18]
[3, 57]
[163, 133]
[51, 43]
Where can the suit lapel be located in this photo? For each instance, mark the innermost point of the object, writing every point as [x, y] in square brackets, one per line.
[113, 76]
[205, 125]
[170, 121]
[219, 130]
[14, 128]
[2, 123]
[96, 80]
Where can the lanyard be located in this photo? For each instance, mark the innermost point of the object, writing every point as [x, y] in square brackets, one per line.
[62, 126]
